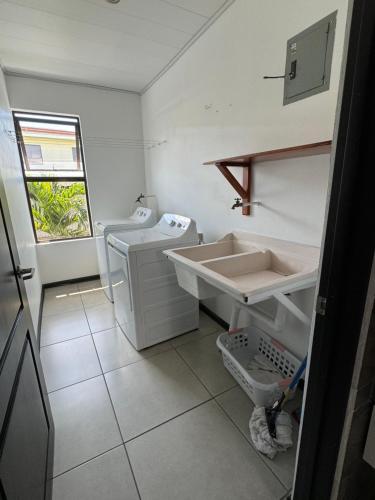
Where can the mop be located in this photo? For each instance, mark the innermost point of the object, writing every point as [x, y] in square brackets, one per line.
[271, 428]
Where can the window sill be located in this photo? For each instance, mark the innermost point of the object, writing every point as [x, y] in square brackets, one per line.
[56, 242]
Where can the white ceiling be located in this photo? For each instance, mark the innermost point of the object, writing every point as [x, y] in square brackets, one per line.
[122, 46]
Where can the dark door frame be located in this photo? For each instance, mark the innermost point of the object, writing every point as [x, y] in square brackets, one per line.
[348, 253]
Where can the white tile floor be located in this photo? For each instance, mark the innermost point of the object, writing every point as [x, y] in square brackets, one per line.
[166, 423]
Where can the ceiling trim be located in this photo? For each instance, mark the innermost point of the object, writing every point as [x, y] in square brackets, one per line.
[65, 82]
[181, 52]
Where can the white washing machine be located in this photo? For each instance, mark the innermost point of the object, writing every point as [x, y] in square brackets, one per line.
[150, 306]
[142, 217]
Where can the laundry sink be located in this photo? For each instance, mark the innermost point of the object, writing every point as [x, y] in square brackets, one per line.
[251, 271]
[247, 266]
[215, 250]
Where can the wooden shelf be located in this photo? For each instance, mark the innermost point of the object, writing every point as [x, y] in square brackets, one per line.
[246, 162]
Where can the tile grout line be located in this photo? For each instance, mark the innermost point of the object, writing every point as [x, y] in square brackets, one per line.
[168, 420]
[230, 420]
[134, 362]
[148, 430]
[203, 335]
[123, 444]
[87, 461]
[171, 347]
[57, 314]
[101, 368]
[79, 336]
[75, 383]
[197, 377]
[122, 437]
[193, 372]
[106, 330]
[115, 415]
[119, 368]
[259, 455]
[132, 471]
[90, 378]
[83, 305]
[286, 496]
[226, 390]
[48, 315]
[211, 398]
[223, 410]
[66, 340]
[251, 445]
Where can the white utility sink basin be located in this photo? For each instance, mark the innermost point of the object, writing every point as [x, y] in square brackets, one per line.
[247, 266]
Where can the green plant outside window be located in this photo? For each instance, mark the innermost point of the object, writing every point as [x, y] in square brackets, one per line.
[59, 209]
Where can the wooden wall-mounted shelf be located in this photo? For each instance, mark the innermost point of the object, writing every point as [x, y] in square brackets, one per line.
[246, 162]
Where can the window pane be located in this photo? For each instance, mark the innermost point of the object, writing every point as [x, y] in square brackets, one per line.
[59, 209]
[47, 118]
[56, 144]
[34, 153]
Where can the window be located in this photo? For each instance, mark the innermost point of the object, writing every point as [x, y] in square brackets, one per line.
[34, 153]
[50, 148]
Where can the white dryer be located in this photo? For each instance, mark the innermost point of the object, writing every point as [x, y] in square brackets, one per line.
[150, 306]
[142, 217]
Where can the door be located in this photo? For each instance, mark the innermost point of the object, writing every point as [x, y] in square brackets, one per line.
[26, 435]
[348, 254]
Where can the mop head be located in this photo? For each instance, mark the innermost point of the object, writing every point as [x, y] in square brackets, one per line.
[261, 437]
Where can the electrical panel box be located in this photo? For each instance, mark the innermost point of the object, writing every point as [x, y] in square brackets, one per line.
[309, 59]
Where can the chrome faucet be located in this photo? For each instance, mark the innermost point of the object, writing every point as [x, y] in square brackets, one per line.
[238, 203]
[142, 196]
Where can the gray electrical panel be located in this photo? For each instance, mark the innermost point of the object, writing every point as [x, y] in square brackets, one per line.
[309, 59]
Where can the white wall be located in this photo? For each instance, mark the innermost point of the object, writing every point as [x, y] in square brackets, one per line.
[214, 103]
[115, 172]
[58, 260]
[11, 172]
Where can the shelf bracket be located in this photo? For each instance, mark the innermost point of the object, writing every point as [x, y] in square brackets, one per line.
[245, 161]
[243, 190]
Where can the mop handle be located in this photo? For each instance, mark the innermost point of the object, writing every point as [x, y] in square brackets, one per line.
[298, 374]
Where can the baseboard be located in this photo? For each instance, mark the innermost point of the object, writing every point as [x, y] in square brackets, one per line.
[214, 316]
[73, 280]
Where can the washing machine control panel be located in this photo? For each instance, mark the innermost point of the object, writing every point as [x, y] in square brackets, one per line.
[173, 224]
[142, 213]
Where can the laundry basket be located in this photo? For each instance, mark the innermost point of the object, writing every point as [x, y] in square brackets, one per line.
[239, 349]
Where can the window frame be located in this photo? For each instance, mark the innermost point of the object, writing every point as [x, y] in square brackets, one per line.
[60, 178]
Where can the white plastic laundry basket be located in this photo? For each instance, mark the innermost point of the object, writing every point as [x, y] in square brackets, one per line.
[239, 349]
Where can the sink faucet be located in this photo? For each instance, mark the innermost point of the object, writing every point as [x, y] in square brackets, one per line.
[141, 196]
[238, 203]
